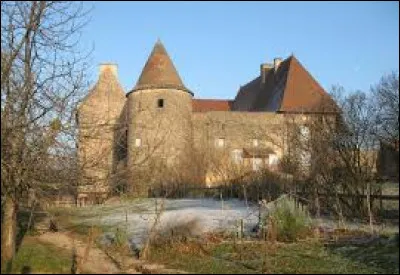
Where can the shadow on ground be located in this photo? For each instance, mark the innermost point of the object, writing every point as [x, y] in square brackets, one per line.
[380, 253]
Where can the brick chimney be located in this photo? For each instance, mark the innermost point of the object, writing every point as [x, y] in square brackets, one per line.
[109, 66]
[277, 62]
[264, 68]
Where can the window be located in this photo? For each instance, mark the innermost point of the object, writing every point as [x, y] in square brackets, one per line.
[255, 142]
[138, 142]
[305, 159]
[272, 159]
[304, 132]
[237, 156]
[220, 142]
[257, 164]
[160, 103]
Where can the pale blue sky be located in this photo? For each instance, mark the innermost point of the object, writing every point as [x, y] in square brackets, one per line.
[218, 46]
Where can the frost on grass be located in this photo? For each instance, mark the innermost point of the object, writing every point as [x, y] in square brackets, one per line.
[137, 217]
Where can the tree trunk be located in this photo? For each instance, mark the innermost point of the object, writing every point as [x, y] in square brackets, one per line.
[8, 230]
[317, 204]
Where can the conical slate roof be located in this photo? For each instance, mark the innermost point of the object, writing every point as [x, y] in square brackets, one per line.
[159, 72]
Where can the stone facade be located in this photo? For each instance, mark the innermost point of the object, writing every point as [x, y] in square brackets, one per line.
[159, 134]
[99, 118]
[234, 140]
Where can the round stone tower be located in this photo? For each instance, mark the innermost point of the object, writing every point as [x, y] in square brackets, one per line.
[159, 125]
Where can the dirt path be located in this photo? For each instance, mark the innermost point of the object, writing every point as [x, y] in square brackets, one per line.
[97, 261]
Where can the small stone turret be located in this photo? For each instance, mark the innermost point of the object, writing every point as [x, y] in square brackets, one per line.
[159, 124]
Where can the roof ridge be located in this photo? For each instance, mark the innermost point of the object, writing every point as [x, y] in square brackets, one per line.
[213, 99]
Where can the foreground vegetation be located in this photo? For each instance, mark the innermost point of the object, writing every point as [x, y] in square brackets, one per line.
[34, 256]
[295, 247]
[255, 257]
[227, 257]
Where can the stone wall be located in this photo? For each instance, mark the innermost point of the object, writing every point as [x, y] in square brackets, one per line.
[230, 141]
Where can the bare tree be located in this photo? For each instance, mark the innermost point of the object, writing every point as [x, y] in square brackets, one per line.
[343, 152]
[42, 75]
[386, 95]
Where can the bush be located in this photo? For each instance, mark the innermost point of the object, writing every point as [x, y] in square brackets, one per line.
[179, 231]
[291, 222]
[121, 238]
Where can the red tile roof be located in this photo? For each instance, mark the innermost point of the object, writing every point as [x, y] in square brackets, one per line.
[303, 93]
[290, 88]
[206, 105]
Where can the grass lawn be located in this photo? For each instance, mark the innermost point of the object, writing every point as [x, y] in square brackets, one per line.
[73, 219]
[37, 257]
[301, 257]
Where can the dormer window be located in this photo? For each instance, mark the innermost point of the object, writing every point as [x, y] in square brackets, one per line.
[160, 103]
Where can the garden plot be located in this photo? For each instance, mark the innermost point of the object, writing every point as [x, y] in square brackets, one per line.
[200, 215]
[137, 217]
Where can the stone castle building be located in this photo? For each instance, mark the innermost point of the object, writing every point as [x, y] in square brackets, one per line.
[158, 133]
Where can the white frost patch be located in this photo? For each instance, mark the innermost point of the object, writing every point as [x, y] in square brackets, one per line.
[210, 215]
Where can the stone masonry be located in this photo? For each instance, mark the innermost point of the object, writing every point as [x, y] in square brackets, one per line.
[158, 134]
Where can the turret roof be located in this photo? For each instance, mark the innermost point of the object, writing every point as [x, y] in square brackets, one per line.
[159, 71]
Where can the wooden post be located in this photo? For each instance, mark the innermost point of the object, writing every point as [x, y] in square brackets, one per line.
[234, 242]
[241, 238]
[241, 228]
[259, 218]
[265, 232]
[222, 201]
[264, 262]
[238, 229]
[380, 199]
